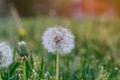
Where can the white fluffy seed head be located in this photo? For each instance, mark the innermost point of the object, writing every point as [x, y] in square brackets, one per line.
[22, 43]
[6, 55]
[58, 40]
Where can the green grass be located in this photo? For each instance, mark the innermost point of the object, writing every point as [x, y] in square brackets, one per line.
[95, 57]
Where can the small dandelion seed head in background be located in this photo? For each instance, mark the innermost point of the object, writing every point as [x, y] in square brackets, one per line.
[22, 43]
[6, 55]
[58, 40]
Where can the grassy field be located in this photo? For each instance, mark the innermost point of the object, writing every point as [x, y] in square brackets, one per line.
[96, 55]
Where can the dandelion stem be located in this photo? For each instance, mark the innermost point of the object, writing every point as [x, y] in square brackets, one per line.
[57, 67]
[24, 70]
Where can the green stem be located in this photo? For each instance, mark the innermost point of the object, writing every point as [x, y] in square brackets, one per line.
[24, 70]
[57, 67]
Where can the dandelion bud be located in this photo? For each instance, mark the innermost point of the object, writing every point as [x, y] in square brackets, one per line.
[22, 49]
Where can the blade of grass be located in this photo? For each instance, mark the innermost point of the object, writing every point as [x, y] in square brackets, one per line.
[41, 70]
[32, 61]
[13, 68]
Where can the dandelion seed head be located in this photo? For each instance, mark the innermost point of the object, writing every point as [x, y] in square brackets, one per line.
[6, 55]
[58, 40]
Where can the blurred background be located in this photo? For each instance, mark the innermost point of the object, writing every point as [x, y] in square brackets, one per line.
[95, 24]
[64, 8]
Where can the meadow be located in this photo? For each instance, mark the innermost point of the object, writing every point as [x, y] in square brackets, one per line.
[96, 55]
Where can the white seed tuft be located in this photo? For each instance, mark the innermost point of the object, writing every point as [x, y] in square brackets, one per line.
[22, 43]
[58, 40]
[6, 55]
